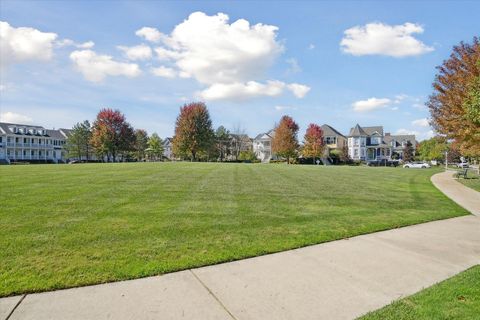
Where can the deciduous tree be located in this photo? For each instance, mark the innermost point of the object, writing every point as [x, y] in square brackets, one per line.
[78, 141]
[112, 134]
[193, 131]
[313, 142]
[155, 146]
[285, 142]
[141, 143]
[432, 149]
[454, 103]
[408, 152]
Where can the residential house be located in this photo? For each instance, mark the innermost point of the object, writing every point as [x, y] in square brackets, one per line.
[238, 143]
[370, 143]
[27, 143]
[332, 139]
[262, 146]
[168, 148]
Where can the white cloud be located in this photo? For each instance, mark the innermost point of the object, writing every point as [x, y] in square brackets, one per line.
[242, 91]
[149, 34]
[370, 104]
[95, 67]
[23, 44]
[384, 39]
[70, 42]
[294, 67]
[12, 117]
[164, 72]
[223, 55]
[140, 52]
[421, 122]
[282, 108]
[311, 46]
[299, 90]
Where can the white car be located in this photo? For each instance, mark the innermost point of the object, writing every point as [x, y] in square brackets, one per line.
[421, 165]
[462, 165]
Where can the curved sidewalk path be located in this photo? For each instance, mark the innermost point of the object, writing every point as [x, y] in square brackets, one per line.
[462, 195]
[337, 280]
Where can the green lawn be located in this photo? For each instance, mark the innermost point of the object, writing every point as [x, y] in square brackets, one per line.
[454, 298]
[71, 225]
[472, 181]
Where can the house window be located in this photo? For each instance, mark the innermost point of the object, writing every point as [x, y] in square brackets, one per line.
[355, 152]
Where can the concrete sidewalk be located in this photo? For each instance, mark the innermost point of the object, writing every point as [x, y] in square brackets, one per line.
[464, 196]
[336, 280]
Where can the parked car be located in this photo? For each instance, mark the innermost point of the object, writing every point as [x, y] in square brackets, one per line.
[421, 165]
[383, 163]
[463, 165]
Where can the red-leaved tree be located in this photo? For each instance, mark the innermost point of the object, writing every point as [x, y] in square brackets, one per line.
[313, 142]
[193, 131]
[112, 134]
[284, 141]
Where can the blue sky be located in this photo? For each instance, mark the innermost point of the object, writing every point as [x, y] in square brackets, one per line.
[339, 63]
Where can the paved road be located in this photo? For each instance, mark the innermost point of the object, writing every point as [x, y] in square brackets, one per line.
[337, 280]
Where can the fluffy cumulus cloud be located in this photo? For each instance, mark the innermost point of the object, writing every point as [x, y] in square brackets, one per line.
[24, 44]
[223, 56]
[384, 39]
[140, 52]
[149, 34]
[12, 117]
[242, 91]
[370, 104]
[164, 72]
[70, 42]
[96, 67]
[421, 122]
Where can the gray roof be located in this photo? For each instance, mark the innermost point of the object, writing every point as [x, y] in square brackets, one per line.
[399, 139]
[371, 130]
[55, 134]
[270, 133]
[330, 131]
[357, 131]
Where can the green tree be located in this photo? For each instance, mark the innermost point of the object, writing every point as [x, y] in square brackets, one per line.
[222, 140]
[141, 143]
[78, 141]
[193, 131]
[247, 156]
[155, 146]
[432, 149]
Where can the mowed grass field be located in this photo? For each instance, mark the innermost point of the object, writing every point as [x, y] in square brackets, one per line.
[70, 225]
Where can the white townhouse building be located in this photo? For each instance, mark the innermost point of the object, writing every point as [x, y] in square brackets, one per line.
[262, 146]
[27, 143]
[370, 143]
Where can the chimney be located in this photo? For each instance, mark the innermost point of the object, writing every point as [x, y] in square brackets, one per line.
[387, 134]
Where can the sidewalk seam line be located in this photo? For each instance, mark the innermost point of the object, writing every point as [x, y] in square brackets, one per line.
[16, 306]
[212, 294]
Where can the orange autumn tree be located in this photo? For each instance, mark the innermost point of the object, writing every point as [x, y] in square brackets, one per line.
[313, 142]
[284, 141]
[454, 104]
[193, 131]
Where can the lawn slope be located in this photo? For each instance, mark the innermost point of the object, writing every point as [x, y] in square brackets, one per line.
[70, 225]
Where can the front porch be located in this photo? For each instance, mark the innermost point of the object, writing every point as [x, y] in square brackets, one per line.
[378, 153]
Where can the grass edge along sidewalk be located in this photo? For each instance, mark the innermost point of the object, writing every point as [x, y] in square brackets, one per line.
[455, 298]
